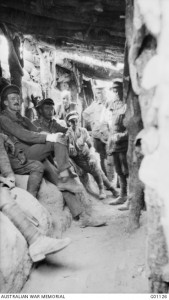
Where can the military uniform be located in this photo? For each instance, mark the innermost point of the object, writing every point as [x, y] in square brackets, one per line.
[97, 114]
[39, 245]
[32, 168]
[52, 126]
[85, 160]
[26, 137]
[118, 144]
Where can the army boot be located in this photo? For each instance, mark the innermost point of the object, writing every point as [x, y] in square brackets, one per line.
[102, 194]
[44, 246]
[72, 185]
[125, 206]
[123, 192]
[114, 192]
[39, 245]
[109, 185]
[87, 220]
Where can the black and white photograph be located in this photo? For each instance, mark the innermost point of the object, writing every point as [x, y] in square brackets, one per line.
[84, 149]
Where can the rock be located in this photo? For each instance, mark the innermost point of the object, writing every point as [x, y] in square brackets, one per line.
[15, 263]
[51, 198]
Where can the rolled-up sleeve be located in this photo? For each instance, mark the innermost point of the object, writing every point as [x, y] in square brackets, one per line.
[10, 127]
[59, 128]
[5, 166]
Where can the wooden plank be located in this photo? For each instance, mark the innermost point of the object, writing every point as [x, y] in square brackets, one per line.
[65, 15]
[30, 24]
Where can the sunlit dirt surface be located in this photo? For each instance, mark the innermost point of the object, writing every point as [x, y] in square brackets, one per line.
[106, 259]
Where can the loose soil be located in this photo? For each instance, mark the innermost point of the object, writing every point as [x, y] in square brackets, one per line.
[106, 259]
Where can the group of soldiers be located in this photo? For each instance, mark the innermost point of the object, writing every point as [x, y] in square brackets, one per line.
[47, 148]
[110, 137]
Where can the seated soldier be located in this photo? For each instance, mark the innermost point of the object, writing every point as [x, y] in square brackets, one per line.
[47, 123]
[39, 245]
[35, 145]
[21, 166]
[84, 154]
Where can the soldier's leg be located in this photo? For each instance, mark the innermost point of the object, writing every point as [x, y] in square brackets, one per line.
[108, 184]
[124, 166]
[61, 156]
[39, 245]
[42, 151]
[119, 162]
[84, 163]
[100, 148]
[73, 202]
[34, 169]
[123, 161]
[97, 173]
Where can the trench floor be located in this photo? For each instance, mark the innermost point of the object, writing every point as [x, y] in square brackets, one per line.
[106, 259]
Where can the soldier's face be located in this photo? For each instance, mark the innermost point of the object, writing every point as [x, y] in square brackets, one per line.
[66, 101]
[64, 86]
[100, 96]
[13, 102]
[47, 111]
[73, 123]
[115, 94]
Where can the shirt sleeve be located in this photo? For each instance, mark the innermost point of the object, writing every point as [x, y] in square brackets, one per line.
[86, 136]
[87, 113]
[31, 125]
[58, 128]
[12, 128]
[5, 166]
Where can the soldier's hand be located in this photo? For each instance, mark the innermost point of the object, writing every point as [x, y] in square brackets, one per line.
[69, 132]
[8, 181]
[117, 137]
[92, 162]
[52, 137]
[10, 146]
[72, 151]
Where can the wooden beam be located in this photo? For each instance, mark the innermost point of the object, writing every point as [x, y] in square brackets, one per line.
[44, 27]
[97, 72]
[109, 19]
[110, 54]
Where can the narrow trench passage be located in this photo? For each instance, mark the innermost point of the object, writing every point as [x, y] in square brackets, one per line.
[99, 260]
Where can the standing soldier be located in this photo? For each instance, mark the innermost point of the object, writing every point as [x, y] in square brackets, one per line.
[118, 141]
[97, 116]
[66, 106]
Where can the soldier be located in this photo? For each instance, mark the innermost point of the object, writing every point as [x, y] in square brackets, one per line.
[22, 166]
[39, 245]
[118, 141]
[47, 123]
[97, 116]
[66, 106]
[35, 145]
[84, 154]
